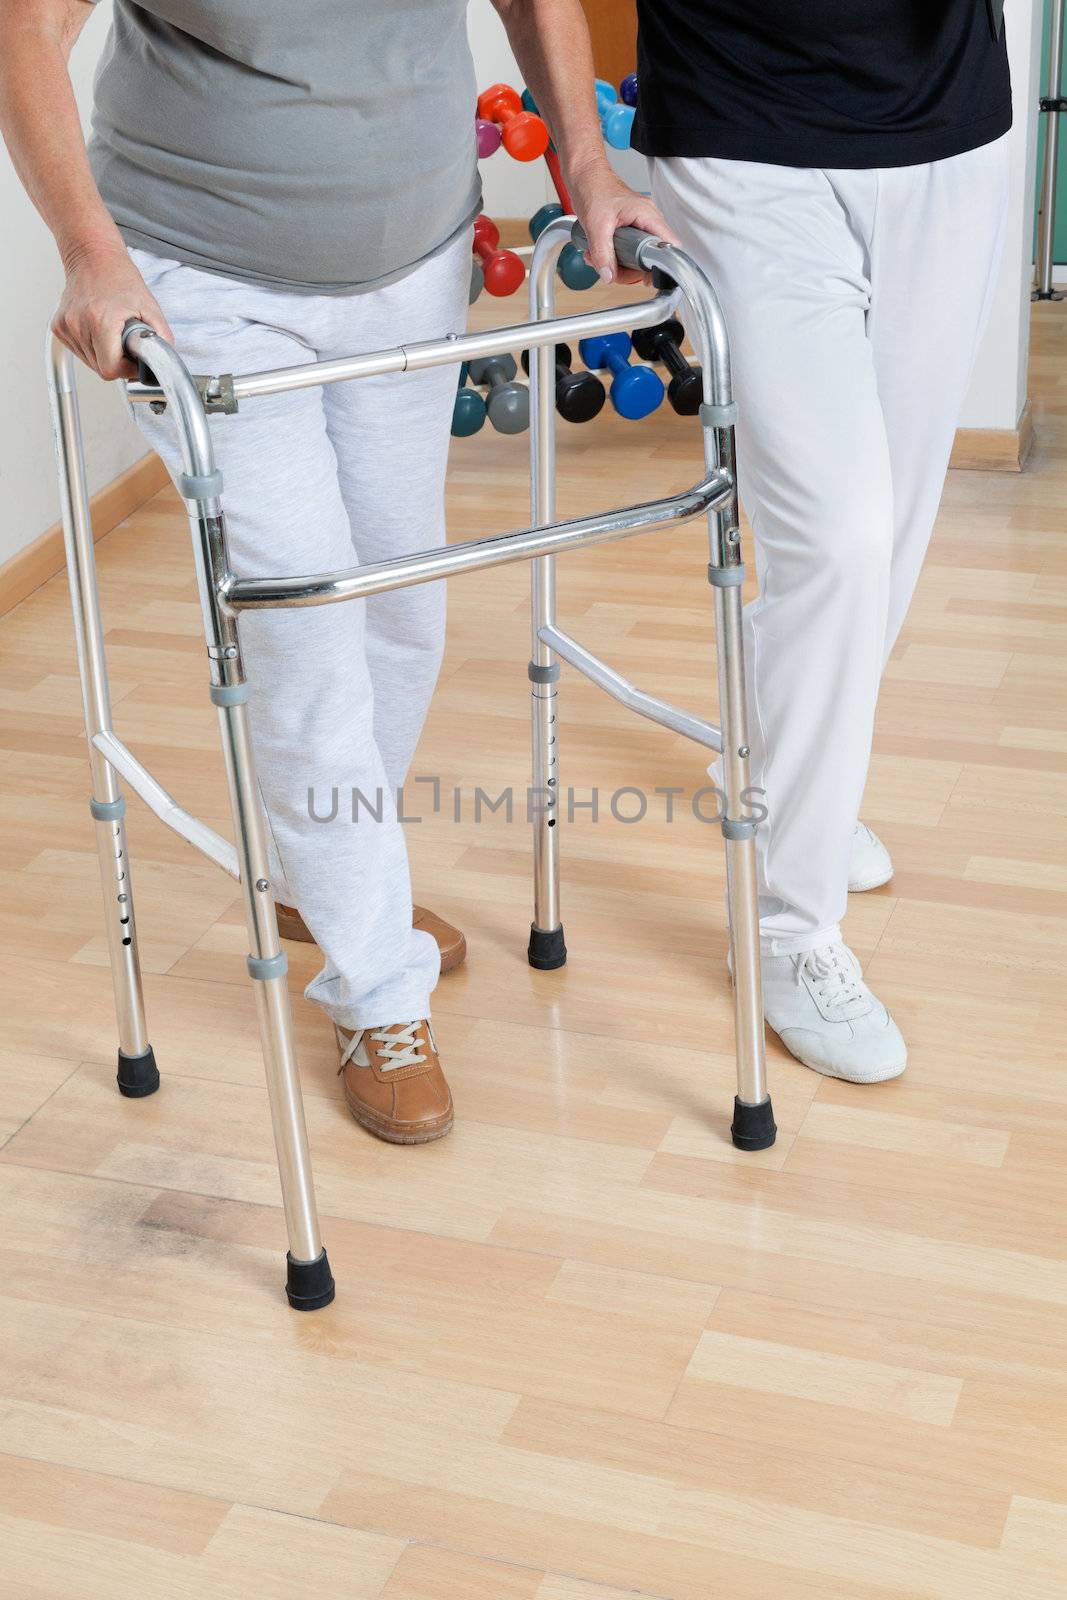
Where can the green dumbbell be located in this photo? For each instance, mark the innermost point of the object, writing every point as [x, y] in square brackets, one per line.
[572, 267]
[468, 412]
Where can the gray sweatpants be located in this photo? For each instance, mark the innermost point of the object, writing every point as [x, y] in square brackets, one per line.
[318, 479]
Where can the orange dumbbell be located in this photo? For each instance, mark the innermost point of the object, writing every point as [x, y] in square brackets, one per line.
[504, 271]
[525, 135]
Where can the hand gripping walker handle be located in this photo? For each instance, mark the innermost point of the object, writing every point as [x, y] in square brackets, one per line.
[144, 371]
[628, 244]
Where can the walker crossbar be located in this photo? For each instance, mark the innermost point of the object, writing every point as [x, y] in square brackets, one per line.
[413, 357]
[626, 693]
[166, 808]
[355, 583]
[167, 384]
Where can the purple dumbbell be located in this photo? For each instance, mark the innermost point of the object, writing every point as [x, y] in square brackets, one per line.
[488, 135]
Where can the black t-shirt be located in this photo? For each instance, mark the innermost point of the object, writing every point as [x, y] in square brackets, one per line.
[820, 83]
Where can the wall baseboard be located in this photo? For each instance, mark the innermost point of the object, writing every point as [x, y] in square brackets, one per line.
[995, 449]
[42, 559]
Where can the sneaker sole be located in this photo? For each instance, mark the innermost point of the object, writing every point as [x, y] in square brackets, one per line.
[390, 1133]
[870, 883]
[886, 1076]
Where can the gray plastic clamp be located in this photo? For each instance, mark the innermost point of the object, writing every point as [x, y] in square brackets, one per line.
[228, 694]
[718, 416]
[538, 674]
[739, 827]
[726, 577]
[207, 487]
[108, 810]
[263, 967]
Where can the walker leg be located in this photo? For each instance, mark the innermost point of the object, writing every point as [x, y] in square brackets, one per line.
[137, 1074]
[547, 949]
[753, 1126]
[309, 1281]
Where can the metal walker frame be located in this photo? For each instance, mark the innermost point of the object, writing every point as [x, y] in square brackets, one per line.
[165, 383]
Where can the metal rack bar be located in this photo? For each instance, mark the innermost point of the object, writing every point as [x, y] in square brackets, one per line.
[1052, 107]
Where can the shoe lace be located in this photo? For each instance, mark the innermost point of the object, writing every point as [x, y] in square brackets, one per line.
[835, 973]
[400, 1045]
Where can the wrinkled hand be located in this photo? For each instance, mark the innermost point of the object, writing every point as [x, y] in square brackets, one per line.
[103, 291]
[603, 203]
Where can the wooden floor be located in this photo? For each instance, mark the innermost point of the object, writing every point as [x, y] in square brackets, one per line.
[582, 1350]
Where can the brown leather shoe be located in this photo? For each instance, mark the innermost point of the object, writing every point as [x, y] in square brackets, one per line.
[394, 1086]
[450, 940]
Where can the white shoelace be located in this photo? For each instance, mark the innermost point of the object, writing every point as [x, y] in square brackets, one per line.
[835, 973]
[400, 1047]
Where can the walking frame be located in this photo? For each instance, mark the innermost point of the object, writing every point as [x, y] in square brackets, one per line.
[166, 384]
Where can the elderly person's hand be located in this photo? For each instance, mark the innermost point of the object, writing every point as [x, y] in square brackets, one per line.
[603, 203]
[104, 290]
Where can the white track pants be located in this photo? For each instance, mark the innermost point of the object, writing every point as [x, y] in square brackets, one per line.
[855, 301]
[318, 479]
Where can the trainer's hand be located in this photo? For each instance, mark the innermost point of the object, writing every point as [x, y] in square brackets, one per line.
[104, 290]
[603, 203]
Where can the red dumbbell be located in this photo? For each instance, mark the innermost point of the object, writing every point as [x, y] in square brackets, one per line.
[504, 271]
[525, 135]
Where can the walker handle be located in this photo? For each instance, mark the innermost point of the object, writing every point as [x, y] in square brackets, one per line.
[144, 371]
[627, 242]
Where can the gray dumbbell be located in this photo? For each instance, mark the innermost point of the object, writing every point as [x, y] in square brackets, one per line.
[509, 402]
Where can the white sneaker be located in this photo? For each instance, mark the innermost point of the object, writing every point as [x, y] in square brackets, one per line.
[823, 1012]
[869, 863]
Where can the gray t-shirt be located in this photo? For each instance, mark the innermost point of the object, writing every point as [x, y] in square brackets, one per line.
[324, 148]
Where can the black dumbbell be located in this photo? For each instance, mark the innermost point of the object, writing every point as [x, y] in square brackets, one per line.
[664, 343]
[580, 396]
[509, 402]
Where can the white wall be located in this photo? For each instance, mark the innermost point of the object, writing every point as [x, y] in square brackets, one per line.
[30, 284]
[998, 390]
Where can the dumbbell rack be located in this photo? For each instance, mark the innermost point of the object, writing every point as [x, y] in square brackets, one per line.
[190, 400]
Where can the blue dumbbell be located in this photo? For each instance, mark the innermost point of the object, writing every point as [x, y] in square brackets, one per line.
[468, 412]
[616, 119]
[635, 391]
[628, 89]
[606, 95]
[618, 123]
[572, 265]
